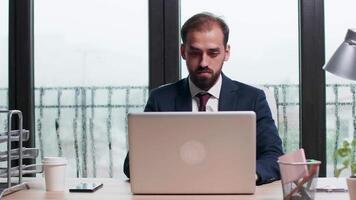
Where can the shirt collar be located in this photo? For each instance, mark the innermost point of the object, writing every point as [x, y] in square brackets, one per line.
[214, 91]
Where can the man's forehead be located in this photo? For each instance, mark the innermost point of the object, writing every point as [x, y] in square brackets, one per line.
[204, 40]
[209, 46]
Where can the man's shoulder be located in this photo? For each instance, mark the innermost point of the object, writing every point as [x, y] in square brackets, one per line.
[170, 88]
[247, 88]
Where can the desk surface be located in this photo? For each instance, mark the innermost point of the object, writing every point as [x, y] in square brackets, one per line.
[120, 189]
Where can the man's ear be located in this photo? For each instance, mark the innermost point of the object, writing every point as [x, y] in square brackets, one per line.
[227, 52]
[182, 51]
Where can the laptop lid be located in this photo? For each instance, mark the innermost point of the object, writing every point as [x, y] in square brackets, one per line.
[192, 152]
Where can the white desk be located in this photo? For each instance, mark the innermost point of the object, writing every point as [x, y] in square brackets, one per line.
[120, 189]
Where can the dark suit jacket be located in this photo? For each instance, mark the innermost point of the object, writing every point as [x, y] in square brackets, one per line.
[234, 96]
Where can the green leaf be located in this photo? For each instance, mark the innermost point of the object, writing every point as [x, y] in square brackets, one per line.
[342, 152]
[345, 144]
[346, 162]
[353, 143]
[345, 154]
[338, 171]
[353, 169]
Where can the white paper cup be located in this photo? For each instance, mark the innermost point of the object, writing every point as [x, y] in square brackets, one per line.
[54, 170]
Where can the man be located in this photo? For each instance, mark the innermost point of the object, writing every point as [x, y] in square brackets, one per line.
[205, 49]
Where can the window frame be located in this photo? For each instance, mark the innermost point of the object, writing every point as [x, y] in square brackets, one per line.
[21, 81]
[164, 64]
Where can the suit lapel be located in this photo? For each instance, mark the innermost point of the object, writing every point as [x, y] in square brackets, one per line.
[228, 95]
[227, 100]
[183, 101]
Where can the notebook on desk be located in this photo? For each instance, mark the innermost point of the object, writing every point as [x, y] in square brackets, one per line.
[331, 184]
[192, 152]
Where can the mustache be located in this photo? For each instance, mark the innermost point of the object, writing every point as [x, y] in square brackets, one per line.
[201, 69]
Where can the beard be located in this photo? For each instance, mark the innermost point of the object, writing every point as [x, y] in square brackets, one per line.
[204, 82]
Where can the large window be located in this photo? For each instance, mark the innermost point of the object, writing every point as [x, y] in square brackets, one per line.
[4, 55]
[340, 93]
[264, 53]
[91, 69]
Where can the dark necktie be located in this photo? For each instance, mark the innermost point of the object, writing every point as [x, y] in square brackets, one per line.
[203, 99]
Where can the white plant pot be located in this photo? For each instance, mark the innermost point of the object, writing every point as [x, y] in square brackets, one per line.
[351, 186]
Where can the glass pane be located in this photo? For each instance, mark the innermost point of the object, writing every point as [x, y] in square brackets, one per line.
[340, 93]
[4, 55]
[91, 69]
[262, 44]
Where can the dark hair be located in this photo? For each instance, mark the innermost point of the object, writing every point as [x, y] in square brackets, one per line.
[204, 21]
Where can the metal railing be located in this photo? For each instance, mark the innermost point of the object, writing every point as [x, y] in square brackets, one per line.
[87, 103]
[89, 125]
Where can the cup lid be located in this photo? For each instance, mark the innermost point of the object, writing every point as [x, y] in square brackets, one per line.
[54, 160]
[307, 162]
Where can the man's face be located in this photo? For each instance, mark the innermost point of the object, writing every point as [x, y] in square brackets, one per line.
[205, 53]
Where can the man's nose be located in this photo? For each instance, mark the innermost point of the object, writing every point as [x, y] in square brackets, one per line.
[204, 62]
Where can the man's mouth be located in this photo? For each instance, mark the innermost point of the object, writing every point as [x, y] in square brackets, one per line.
[204, 73]
[207, 71]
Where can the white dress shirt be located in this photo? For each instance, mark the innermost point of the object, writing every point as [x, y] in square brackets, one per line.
[213, 103]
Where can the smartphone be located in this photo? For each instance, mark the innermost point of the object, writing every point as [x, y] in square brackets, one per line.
[86, 187]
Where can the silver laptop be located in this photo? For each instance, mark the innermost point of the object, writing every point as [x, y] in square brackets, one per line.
[192, 152]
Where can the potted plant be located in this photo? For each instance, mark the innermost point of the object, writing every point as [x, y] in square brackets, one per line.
[345, 153]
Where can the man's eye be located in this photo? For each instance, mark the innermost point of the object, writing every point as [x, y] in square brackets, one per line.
[194, 53]
[214, 53]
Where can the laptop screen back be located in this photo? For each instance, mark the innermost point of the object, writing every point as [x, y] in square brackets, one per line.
[192, 153]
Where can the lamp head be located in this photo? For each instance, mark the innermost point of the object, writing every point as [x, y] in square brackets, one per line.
[343, 62]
